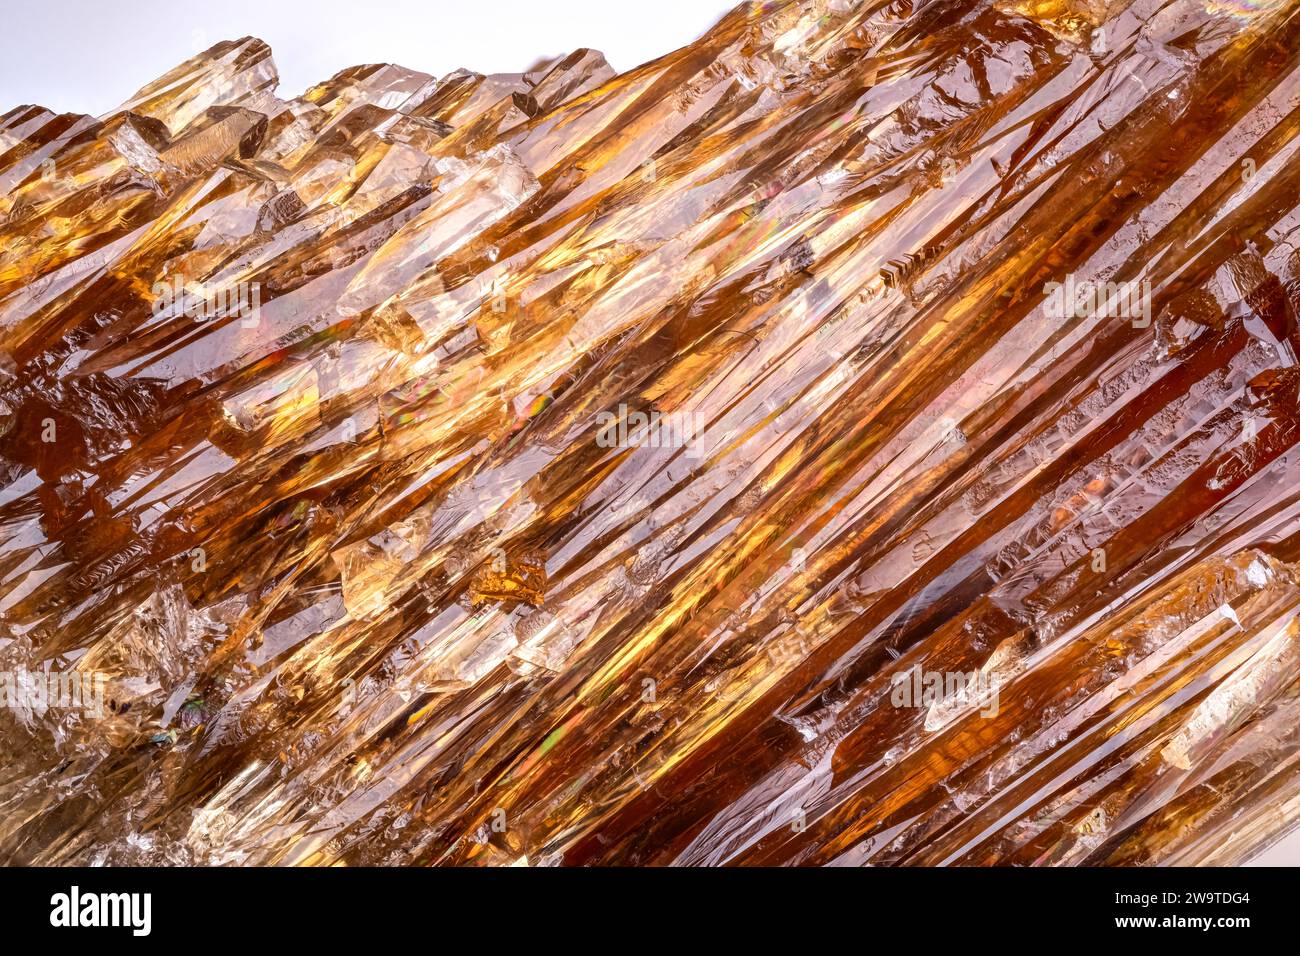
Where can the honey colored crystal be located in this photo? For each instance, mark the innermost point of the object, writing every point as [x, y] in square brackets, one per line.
[304, 408]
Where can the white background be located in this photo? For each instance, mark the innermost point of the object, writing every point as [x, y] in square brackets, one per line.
[88, 56]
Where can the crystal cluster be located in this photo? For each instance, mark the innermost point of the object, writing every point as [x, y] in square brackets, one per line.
[867, 435]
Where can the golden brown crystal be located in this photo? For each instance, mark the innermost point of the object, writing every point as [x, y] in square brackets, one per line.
[866, 435]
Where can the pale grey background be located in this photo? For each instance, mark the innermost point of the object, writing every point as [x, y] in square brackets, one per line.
[88, 56]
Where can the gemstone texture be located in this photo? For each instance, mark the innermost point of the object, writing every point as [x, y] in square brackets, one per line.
[865, 436]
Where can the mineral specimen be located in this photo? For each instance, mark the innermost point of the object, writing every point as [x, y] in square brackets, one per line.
[867, 435]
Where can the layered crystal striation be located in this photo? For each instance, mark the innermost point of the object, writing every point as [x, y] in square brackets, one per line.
[574, 467]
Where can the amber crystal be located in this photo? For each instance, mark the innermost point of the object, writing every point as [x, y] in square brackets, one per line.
[575, 467]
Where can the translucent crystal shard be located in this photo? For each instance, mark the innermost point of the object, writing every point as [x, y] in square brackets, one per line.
[867, 435]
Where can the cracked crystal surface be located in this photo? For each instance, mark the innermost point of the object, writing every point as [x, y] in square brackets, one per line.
[867, 435]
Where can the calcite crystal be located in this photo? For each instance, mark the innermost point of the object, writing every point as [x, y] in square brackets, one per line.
[867, 435]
